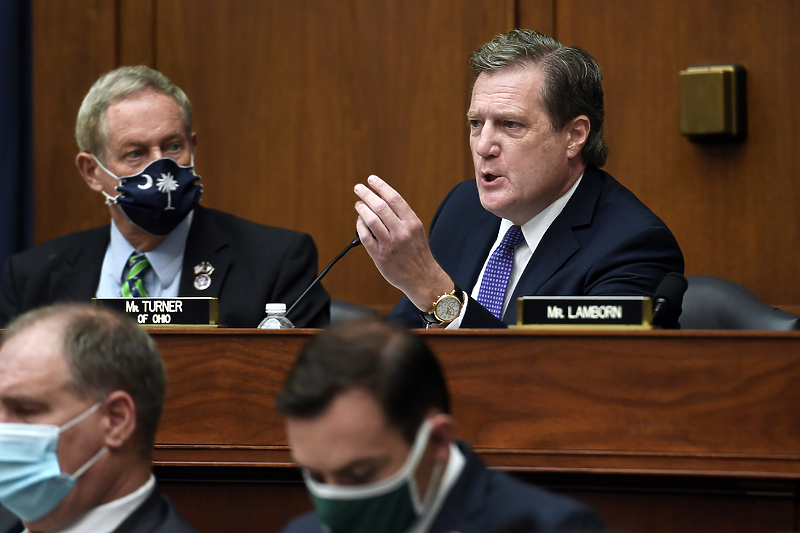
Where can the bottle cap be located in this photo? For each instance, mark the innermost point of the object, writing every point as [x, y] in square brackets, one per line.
[276, 308]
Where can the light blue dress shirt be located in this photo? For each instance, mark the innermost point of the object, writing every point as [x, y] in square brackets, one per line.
[163, 279]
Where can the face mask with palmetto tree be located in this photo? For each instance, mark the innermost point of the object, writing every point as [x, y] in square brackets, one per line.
[159, 197]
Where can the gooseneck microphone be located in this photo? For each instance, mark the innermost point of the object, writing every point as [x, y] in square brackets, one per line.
[668, 301]
[355, 242]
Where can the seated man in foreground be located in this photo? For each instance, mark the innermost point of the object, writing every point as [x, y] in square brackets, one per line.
[81, 393]
[367, 419]
[540, 217]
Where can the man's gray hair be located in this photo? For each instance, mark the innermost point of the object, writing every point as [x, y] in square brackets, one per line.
[120, 84]
[572, 84]
[105, 352]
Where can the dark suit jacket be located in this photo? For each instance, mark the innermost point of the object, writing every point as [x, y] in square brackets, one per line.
[604, 243]
[156, 515]
[254, 265]
[482, 500]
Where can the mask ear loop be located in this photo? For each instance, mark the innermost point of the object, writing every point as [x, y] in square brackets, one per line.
[90, 463]
[422, 505]
[74, 422]
[110, 200]
[80, 418]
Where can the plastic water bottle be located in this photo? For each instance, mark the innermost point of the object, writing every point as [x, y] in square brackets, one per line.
[276, 318]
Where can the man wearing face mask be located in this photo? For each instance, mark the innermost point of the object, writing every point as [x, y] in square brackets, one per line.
[134, 131]
[81, 392]
[367, 419]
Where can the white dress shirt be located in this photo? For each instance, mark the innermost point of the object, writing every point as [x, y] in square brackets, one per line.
[107, 517]
[532, 231]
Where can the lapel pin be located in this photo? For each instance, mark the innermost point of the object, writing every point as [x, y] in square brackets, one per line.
[203, 272]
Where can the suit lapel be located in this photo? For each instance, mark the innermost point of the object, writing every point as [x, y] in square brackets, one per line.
[464, 509]
[483, 233]
[207, 243]
[559, 242]
[75, 274]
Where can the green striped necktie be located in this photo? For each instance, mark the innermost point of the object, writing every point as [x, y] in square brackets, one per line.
[136, 267]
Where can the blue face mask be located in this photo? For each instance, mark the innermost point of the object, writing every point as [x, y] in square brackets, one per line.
[159, 197]
[31, 481]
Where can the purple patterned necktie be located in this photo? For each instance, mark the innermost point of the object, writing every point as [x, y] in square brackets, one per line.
[498, 271]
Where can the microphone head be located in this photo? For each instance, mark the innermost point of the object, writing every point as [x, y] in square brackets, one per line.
[668, 300]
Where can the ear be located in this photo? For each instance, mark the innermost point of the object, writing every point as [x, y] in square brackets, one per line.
[577, 131]
[89, 168]
[442, 435]
[120, 412]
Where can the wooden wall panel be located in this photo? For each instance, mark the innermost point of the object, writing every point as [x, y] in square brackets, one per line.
[734, 209]
[537, 15]
[647, 504]
[74, 41]
[137, 32]
[295, 103]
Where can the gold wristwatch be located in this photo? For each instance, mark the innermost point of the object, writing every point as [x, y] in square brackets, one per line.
[446, 308]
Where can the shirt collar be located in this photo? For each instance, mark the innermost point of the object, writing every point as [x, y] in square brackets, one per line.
[166, 258]
[534, 229]
[455, 465]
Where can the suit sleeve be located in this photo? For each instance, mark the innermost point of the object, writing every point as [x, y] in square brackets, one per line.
[636, 265]
[478, 316]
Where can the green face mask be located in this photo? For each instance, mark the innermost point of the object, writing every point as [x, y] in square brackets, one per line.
[389, 506]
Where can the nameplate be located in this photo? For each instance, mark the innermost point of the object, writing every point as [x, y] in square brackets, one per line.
[166, 312]
[584, 311]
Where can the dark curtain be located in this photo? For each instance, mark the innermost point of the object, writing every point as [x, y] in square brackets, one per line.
[16, 190]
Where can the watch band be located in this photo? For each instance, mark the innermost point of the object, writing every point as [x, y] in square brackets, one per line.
[430, 318]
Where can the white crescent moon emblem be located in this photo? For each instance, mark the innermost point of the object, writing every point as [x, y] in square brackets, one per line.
[148, 184]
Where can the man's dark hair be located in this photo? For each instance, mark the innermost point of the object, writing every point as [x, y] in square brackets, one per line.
[572, 84]
[106, 351]
[389, 362]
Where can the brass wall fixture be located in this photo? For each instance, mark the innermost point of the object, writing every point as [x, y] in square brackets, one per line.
[714, 103]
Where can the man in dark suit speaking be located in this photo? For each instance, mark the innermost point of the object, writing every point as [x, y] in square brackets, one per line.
[540, 218]
[368, 420]
[134, 131]
[81, 393]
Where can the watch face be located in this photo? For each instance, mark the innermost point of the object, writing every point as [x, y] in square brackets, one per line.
[447, 308]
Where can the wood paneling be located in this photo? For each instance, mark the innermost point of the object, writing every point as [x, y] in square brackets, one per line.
[661, 431]
[539, 15]
[671, 402]
[211, 498]
[224, 506]
[74, 41]
[137, 32]
[296, 102]
[734, 209]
